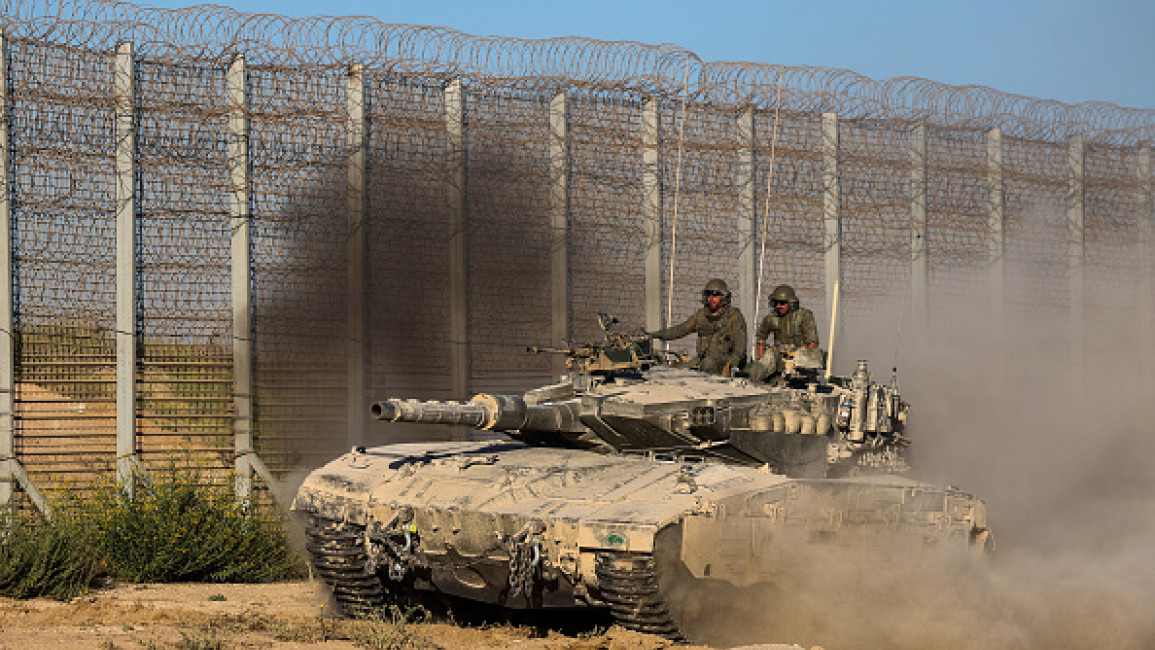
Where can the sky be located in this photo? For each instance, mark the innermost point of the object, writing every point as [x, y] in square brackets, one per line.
[1068, 50]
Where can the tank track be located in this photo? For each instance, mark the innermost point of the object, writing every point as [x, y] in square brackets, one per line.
[337, 551]
[629, 583]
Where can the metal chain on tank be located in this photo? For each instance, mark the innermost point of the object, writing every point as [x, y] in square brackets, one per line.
[394, 546]
[525, 559]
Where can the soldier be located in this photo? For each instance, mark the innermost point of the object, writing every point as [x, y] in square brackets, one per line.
[791, 325]
[721, 331]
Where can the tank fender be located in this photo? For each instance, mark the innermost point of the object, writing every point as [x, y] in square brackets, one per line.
[329, 499]
[616, 536]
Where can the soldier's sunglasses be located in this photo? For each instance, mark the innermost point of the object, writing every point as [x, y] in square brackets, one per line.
[781, 302]
[711, 293]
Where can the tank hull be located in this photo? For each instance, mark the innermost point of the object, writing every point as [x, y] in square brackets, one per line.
[529, 527]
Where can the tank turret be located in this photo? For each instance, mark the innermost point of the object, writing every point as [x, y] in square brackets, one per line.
[625, 395]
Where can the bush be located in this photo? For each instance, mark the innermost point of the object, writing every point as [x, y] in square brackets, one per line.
[181, 528]
[42, 558]
[184, 529]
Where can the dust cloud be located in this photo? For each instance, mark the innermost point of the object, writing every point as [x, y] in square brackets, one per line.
[1058, 442]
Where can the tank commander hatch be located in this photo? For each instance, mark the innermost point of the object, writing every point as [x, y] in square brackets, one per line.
[721, 331]
[791, 325]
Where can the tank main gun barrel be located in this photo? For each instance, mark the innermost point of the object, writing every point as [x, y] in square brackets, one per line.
[411, 410]
[485, 411]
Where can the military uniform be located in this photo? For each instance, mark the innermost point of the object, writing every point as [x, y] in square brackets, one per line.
[721, 338]
[797, 327]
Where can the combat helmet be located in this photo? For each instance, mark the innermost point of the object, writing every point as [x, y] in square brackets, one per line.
[784, 292]
[716, 285]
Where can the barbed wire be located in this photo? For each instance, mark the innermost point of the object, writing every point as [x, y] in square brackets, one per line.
[62, 106]
[214, 34]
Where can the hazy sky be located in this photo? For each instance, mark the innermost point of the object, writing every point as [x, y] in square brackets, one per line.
[1069, 50]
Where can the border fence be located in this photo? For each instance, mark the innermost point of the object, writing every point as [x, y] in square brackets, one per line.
[223, 234]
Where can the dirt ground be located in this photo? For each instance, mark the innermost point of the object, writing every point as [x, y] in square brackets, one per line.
[282, 616]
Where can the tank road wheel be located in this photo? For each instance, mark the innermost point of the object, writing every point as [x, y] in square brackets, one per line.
[337, 550]
[629, 583]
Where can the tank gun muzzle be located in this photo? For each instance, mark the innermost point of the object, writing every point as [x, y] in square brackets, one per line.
[384, 411]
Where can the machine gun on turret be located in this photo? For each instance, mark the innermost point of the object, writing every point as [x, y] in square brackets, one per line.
[623, 355]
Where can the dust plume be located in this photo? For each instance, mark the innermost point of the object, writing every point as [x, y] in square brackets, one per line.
[1059, 444]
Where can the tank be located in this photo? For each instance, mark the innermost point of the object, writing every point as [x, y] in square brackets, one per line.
[636, 484]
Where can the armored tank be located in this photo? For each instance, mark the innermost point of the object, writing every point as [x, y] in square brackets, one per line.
[636, 484]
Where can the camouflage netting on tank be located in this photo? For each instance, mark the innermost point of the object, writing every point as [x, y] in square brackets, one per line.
[61, 114]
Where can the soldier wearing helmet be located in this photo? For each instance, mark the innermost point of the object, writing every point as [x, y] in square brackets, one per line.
[791, 326]
[720, 327]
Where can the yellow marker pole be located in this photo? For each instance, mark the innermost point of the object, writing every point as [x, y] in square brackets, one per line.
[833, 329]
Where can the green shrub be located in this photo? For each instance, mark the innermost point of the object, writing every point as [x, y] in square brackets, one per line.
[182, 528]
[41, 558]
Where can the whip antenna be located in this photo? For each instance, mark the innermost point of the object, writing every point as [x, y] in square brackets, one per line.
[677, 189]
[766, 211]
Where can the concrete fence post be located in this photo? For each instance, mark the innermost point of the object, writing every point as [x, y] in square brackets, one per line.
[747, 221]
[124, 88]
[455, 167]
[831, 212]
[7, 306]
[1147, 270]
[559, 173]
[919, 271]
[357, 240]
[241, 258]
[1076, 238]
[652, 210]
[996, 227]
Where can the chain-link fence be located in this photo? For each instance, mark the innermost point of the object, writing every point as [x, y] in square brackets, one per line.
[399, 210]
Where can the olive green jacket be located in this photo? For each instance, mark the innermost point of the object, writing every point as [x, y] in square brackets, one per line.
[795, 328]
[721, 336]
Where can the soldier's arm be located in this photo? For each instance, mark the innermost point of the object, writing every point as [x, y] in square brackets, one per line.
[809, 329]
[738, 331]
[678, 331]
[761, 335]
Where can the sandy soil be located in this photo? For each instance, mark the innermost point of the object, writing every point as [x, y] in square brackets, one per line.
[282, 616]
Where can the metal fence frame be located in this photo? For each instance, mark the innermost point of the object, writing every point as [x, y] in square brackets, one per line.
[580, 125]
